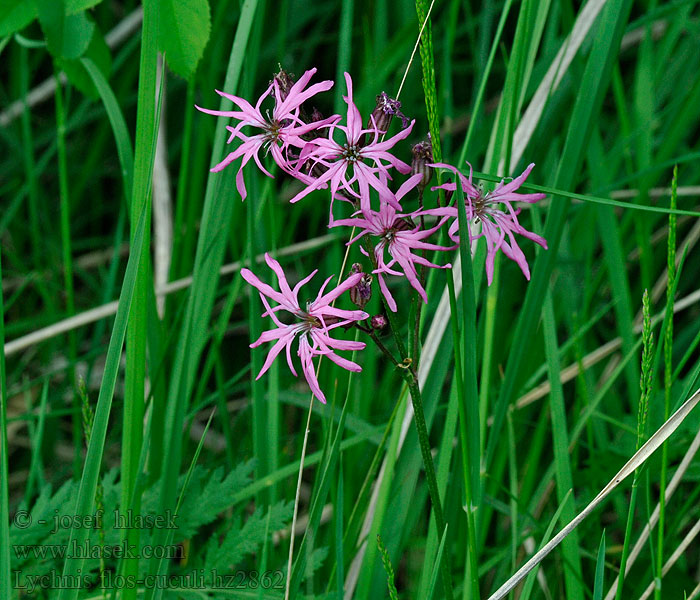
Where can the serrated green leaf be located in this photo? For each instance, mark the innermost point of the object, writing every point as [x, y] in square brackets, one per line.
[205, 500]
[15, 15]
[241, 541]
[183, 33]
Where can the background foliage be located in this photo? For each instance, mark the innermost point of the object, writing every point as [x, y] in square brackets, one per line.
[552, 413]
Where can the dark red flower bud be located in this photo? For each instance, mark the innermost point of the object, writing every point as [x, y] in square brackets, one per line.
[422, 157]
[285, 81]
[361, 293]
[385, 110]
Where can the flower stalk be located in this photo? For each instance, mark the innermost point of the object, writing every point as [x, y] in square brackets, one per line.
[407, 368]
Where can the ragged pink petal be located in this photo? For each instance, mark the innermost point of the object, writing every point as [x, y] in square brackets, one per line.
[496, 215]
[312, 323]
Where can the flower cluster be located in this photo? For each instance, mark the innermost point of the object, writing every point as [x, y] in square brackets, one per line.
[354, 159]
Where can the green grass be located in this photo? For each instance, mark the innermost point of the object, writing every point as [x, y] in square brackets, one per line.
[529, 389]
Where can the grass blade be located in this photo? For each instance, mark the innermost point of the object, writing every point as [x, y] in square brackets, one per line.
[530, 581]
[562, 457]
[436, 566]
[118, 123]
[668, 379]
[595, 79]
[88, 482]
[599, 580]
[637, 460]
[136, 332]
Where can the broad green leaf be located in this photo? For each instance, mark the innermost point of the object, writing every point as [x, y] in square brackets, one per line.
[67, 36]
[98, 53]
[183, 33]
[15, 15]
[52, 20]
[77, 34]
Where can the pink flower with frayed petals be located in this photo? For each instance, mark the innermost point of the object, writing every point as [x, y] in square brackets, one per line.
[344, 164]
[497, 223]
[312, 326]
[400, 238]
[279, 130]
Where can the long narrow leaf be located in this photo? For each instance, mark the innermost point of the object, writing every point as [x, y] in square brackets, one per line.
[93, 460]
[118, 123]
[599, 581]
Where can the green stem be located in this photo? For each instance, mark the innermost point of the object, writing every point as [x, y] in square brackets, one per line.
[391, 318]
[668, 381]
[65, 207]
[183, 182]
[408, 369]
[413, 332]
[352, 528]
[67, 255]
[381, 346]
[646, 387]
[29, 166]
[464, 437]
[411, 379]
[417, 299]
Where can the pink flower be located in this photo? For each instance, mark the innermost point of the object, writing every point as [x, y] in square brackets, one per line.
[399, 237]
[279, 131]
[496, 223]
[312, 326]
[344, 164]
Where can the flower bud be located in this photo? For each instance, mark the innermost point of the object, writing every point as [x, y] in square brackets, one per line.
[284, 81]
[385, 110]
[361, 293]
[422, 157]
[378, 322]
